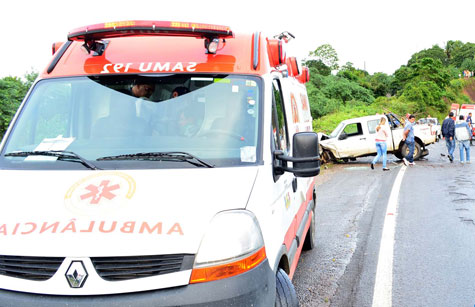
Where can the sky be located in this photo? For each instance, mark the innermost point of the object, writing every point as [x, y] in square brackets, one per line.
[376, 35]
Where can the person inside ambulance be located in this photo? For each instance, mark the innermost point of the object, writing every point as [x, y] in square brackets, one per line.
[238, 118]
[143, 90]
[188, 122]
[122, 119]
[168, 113]
[179, 91]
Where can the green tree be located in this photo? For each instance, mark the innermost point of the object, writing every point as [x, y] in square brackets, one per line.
[467, 51]
[451, 47]
[327, 55]
[400, 78]
[428, 69]
[317, 67]
[328, 94]
[380, 84]
[351, 73]
[12, 91]
[468, 64]
[424, 94]
[435, 53]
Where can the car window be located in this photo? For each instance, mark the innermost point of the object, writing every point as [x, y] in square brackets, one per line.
[353, 129]
[279, 124]
[372, 124]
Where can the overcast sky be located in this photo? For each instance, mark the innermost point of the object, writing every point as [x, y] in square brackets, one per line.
[379, 35]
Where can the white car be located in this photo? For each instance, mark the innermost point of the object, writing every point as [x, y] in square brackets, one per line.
[355, 137]
[435, 127]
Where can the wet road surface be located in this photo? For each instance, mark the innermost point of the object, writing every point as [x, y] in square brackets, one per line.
[433, 249]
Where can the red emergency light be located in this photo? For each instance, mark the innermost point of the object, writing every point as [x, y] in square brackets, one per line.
[304, 76]
[146, 27]
[277, 55]
[293, 66]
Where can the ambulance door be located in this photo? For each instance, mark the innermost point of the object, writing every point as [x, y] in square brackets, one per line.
[283, 195]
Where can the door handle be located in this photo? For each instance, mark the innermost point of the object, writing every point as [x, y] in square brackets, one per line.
[363, 139]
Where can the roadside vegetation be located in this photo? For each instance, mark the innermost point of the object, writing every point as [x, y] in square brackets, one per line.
[428, 83]
[12, 91]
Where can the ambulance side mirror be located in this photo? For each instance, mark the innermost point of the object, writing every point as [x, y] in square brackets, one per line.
[305, 155]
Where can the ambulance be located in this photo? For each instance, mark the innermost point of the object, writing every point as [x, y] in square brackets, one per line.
[159, 164]
[466, 110]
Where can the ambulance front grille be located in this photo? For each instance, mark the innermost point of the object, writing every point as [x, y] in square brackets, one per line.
[32, 268]
[124, 268]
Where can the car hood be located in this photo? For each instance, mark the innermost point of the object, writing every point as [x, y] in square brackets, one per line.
[112, 213]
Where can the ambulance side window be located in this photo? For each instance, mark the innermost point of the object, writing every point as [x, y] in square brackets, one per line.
[279, 123]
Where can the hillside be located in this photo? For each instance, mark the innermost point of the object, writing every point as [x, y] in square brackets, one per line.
[469, 89]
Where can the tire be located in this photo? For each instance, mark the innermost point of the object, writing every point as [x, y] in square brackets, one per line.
[327, 156]
[309, 242]
[285, 295]
[417, 151]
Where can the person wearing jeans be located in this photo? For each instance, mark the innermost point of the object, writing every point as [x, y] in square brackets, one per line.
[463, 137]
[408, 138]
[382, 133]
[448, 133]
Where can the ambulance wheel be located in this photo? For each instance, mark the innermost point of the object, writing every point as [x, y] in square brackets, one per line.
[285, 295]
[309, 242]
[417, 151]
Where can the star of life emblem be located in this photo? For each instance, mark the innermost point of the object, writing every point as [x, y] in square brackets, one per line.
[100, 194]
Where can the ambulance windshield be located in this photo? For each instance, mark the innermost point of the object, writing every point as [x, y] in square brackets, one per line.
[211, 117]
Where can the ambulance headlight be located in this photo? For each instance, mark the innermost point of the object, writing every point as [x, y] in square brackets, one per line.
[232, 245]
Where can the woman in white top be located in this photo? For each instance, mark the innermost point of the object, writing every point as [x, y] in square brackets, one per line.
[382, 133]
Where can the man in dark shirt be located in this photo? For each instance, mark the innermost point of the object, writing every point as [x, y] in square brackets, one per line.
[448, 133]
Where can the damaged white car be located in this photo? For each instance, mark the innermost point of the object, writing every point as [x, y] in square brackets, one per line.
[355, 137]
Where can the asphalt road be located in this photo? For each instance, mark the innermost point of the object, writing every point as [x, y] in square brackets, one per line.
[434, 238]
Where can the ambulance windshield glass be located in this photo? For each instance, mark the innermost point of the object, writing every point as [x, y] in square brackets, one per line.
[212, 117]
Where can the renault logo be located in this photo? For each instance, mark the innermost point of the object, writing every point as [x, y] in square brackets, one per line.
[76, 274]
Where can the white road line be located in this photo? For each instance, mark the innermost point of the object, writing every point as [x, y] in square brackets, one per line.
[382, 294]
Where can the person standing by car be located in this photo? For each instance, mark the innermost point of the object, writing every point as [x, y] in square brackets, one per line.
[448, 133]
[408, 138]
[470, 125]
[463, 135]
[382, 133]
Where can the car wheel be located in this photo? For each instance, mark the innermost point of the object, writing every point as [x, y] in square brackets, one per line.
[285, 295]
[327, 156]
[417, 151]
[309, 242]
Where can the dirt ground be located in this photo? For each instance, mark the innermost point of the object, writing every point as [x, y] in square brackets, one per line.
[469, 90]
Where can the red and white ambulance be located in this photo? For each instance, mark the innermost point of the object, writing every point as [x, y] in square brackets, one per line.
[159, 164]
[468, 110]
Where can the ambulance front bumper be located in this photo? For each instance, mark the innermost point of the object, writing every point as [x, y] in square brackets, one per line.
[253, 288]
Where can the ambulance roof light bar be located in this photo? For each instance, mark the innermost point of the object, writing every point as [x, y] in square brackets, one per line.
[144, 27]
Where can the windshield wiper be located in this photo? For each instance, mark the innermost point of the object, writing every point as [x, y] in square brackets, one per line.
[179, 156]
[62, 155]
